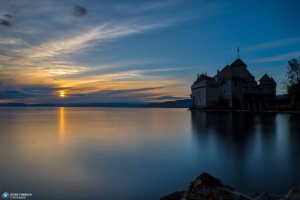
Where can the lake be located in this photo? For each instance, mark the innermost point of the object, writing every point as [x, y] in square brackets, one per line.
[144, 153]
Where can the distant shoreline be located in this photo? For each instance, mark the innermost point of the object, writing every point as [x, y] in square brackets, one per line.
[185, 103]
[149, 105]
[73, 105]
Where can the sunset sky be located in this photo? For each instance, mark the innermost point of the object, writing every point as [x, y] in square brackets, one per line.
[70, 51]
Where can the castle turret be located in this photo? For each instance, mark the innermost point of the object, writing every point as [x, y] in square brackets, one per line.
[267, 85]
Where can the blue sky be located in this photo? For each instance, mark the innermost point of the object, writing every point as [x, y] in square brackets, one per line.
[55, 51]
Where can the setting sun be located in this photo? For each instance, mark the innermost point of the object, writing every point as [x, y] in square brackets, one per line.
[62, 94]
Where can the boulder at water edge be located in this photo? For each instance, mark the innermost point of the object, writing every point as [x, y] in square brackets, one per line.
[208, 187]
[294, 194]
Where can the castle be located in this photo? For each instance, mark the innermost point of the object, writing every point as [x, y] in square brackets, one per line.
[233, 87]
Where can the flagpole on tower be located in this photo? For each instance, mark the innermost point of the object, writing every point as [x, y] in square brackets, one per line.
[238, 52]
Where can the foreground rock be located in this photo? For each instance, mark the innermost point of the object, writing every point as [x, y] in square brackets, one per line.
[174, 195]
[207, 187]
[265, 196]
[293, 194]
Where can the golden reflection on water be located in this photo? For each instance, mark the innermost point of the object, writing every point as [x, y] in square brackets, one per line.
[62, 122]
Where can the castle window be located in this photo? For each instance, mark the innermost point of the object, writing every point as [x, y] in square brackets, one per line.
[224, 92]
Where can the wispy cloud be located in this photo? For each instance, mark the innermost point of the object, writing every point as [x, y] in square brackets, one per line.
[165, 97]
[40, 53]
[73, 39]
[45, 53]
[272, 44]
[5, 23]
[269, 70]
[44, 94]
[79, 11]
[12, 41]
[89, 37]
[280, 57]
[146, 6]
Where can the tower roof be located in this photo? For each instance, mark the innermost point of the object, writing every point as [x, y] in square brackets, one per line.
[238, 62]
[226, 71]
[273, 80]
[246, 74]
[265, 78]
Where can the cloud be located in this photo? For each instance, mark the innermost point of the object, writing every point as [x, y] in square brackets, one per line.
[57, 49]
[160, 70]
[78, 95]
[106, 68]
[280, 57]
[62, 69]
[79, 11]
[272, 44]
[49, 57]
[5, 23]
[44, 47]
[123, 68]
[12, 41]
[84, 92]
[269, 70]
[70, 39]
[165, 97]
[14, 94]
[90, 37]
[146, 6]
[125, 92]
[8, 16]
[127, 95]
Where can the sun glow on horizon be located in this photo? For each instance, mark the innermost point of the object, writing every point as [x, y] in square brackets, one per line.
[62, 94]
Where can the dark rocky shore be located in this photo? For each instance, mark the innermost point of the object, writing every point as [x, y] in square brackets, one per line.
[207, 187]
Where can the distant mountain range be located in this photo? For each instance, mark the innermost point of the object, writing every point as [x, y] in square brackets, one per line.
[185, 103]
[169, 104]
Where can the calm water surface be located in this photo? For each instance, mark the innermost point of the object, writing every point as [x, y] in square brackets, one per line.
[142, 153]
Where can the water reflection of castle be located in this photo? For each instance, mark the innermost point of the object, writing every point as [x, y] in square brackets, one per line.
[233, 87]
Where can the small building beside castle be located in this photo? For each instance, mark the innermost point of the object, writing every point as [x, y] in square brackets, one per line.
[233, 87]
